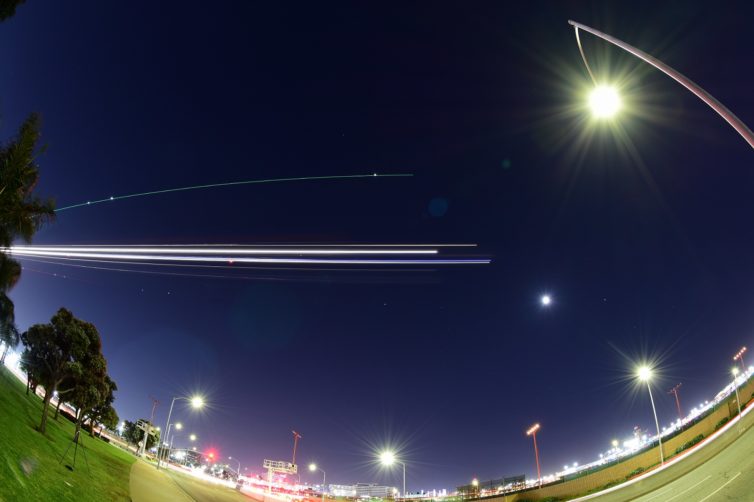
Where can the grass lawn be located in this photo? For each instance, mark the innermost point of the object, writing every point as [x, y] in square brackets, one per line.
[30, 467]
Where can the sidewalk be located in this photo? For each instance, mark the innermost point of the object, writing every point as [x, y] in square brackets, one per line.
[147, 484]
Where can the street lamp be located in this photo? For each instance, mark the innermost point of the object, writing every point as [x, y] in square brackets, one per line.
[604, 101]
[196, 403]
[313, 468]
[644, 373]
[239, 465]
[734, 370]
[721, 110]
[169, 438]
[740, 357]
[192, 437]
[533, 433]
[387, 458]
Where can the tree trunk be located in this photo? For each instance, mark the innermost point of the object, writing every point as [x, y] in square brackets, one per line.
[45, 405]
[5, 353]
[28, 383]
[79, 416]
[57, 408]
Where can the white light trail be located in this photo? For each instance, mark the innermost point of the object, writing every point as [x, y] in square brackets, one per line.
[220, 251]
[231, 256]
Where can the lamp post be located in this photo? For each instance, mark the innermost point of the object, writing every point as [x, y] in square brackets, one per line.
[644, 374]
[387, 458]
[533, 433]
[721, 110]
[734, 370]
[169, 439]
[313, 468]
[740, 357]
[196, 403]
[239, 465]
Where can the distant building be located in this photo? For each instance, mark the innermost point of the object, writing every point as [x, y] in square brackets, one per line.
[363, 490]
[493, 485]
[343, 490]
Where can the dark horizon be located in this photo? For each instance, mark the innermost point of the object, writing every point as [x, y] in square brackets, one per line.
[640, 236]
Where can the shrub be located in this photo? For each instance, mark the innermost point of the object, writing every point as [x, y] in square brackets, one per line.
[722, 422]
[636, 471]
[690, 443]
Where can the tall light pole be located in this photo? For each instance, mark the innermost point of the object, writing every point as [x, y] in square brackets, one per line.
[296, 437]
[645, 375]
[674, 391]
[721, 110]
[169, 439]
[196, 403]
[313, 468]
[533, 433]
[740, 357]
[387, 458]
[735, 386]
[239, 465]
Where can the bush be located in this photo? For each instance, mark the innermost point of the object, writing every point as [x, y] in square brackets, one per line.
[690, 443]
[722, 422]
[636, 471]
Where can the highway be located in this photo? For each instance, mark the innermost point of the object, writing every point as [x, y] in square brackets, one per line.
[203, 491]
[728, 475]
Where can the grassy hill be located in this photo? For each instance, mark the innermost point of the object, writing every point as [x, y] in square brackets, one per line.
[30, 467]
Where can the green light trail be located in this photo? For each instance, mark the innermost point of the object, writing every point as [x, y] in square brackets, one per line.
[232, 183]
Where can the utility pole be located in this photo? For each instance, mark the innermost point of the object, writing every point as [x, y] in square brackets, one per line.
[674, 391]
[148, 428]
[296, 437]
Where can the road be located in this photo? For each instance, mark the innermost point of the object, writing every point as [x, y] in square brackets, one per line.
[147, 484]
[203, 491]
[728, 476]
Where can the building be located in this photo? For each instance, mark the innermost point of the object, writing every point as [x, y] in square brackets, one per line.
[492, 486]
[363, 490]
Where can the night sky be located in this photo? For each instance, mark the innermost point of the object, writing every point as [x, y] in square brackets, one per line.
[640, 229]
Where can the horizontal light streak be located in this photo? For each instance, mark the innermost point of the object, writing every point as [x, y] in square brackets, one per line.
[235, 259]
[219, 251]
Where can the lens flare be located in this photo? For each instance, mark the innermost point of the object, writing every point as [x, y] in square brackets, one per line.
[604, 101]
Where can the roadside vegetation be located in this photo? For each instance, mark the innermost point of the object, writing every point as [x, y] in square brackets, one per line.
[30, 462]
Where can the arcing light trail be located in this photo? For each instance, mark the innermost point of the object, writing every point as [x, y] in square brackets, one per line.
[232, 183]
[300, 255]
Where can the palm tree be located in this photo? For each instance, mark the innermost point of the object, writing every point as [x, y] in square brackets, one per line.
[21, 215]
[8, 8]
[10, 271]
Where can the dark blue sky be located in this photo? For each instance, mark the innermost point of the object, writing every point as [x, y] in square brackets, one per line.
[645, 241]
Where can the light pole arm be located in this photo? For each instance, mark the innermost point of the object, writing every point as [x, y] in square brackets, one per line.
[713, 103]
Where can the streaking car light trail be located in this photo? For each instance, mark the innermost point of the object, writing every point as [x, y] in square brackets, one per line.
[231, 183]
